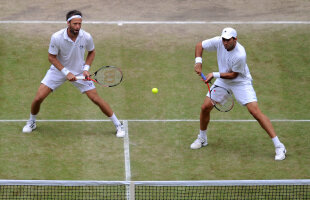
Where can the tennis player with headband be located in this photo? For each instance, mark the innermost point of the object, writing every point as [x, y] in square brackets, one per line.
[66, 54]
[235, 76]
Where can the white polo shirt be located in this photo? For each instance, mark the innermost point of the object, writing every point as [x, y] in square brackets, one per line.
[69, 53]
[229, 61]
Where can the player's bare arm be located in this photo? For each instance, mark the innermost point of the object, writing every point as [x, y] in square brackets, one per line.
[198, 54]
[89, 60]
[53, 60]
[198, 49]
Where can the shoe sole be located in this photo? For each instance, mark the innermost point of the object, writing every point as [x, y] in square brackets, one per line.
[120, 136]
[32, 129]
[202, 145]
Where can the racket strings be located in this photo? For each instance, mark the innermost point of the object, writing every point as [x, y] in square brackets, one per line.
[222, 99]
[108, 76]
[226, 105]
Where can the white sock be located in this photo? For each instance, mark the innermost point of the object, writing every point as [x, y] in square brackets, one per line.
[33, 117]
[276, 141]
[115, 120]
[203, 134]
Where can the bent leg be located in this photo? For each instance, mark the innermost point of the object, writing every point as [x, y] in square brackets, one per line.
[42, 93]
[266, 124]
[104, 106]
[201, 140]
[206, 108]
[262, 119]
[106, 109]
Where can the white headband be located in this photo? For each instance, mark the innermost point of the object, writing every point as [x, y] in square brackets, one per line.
[74, 16]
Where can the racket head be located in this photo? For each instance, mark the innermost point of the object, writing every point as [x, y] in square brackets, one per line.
[221, 98]
[108, 76]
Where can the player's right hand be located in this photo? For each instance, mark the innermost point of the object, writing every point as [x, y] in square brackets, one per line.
[71, 77]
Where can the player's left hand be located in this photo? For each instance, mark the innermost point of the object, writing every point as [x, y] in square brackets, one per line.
[198, 68]
[86, 74]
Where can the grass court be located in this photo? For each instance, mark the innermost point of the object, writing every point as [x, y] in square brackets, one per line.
[150, 56]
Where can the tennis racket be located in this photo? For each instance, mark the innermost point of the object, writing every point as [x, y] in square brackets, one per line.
[106, 76]
[221, 98]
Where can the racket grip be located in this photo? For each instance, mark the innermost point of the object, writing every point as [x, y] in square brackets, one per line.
[203, 76]
[80, 77]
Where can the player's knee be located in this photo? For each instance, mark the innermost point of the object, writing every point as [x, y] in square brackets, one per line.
[38, 99]
[206, 107]
[256, 113]
[254, 110]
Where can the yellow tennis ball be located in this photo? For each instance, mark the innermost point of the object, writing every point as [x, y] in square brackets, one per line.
[155, 90]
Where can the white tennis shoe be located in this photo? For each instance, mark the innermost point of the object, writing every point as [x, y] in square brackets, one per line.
[30, 126]
[199, 142]
[120, 132]
[280, 153]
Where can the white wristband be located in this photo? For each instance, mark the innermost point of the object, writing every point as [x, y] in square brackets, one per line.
[65, 71]
[216, 75]
[86, 68]
[198, 60]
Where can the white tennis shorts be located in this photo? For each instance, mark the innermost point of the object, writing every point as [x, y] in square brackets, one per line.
[243, 92]
[54, 78]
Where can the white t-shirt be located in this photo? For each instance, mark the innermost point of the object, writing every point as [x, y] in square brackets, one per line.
[71, 54]
[229, 61]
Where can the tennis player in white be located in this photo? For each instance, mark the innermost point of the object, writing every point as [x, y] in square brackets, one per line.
[66, 54]
[233, 75]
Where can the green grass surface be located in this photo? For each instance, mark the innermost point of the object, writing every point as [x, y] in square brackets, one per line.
[162, 57]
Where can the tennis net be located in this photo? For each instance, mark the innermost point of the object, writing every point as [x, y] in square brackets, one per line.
[155, 190]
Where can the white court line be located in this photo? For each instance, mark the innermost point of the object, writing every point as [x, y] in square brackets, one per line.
[216, 120]
[153, 22]
[127, 160]
[153, 120]
[126, 151]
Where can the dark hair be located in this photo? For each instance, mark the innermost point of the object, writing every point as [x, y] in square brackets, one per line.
[73, 12]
